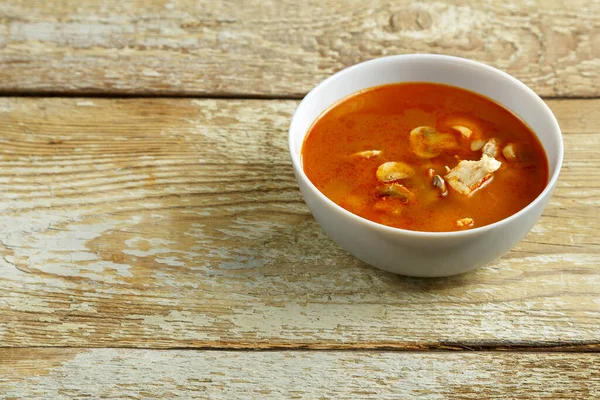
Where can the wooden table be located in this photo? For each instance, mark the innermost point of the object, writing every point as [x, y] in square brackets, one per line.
[154, 244]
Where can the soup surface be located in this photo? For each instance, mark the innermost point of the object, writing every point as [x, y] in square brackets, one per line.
[425, 157]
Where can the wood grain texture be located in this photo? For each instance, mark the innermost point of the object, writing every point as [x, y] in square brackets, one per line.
[178, 223]
[142, 374]
[283, 48]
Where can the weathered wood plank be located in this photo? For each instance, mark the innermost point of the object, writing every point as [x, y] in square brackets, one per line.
[283, 48]
[176, 222]
[137, 374]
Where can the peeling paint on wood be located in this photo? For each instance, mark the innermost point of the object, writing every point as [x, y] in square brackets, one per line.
[284, 48]
[176, 222]
[140, 374]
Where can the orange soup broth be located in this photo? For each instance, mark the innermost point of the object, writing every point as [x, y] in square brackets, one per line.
[381, 118]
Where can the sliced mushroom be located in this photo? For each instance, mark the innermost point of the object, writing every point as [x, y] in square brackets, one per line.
[509, 152]
[430, 172]
[491, 148]
[440, 183]
[477, 144]
[394, 171]
[469, 176]
[427, 142]
[468, 127]
[394, 190]
[367, 154]
[465, 223]
[464, 131]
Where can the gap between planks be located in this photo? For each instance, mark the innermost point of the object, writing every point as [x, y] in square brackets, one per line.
[197, 96]
[167, 95]
[591, 347]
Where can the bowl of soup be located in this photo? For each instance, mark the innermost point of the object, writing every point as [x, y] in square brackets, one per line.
[425, 165]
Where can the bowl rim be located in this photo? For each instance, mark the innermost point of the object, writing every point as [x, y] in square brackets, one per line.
[300, 174]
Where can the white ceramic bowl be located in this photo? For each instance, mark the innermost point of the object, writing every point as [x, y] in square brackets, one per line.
[425, 254]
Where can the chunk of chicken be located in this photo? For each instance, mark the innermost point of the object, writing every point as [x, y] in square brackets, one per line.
[509, 152]
[465, 223]
[464, 131]
[367, 154]
[468, 176]
[491, 148]
[394, 171]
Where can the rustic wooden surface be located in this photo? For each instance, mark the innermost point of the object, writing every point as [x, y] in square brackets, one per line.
[137, 374]
[177, 223]
[283, 48]
[159, 247]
